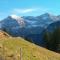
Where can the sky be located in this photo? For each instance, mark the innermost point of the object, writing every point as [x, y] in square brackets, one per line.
[28, 7]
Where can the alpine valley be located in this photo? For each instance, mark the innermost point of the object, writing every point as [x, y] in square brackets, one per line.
[29, 27]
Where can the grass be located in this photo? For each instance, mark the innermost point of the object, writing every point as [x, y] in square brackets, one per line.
[20, 49]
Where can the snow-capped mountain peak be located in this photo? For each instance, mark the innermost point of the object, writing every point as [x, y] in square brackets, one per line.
[15, 17]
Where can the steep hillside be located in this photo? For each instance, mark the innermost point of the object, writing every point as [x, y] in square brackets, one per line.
[3, 34]
[19, 49]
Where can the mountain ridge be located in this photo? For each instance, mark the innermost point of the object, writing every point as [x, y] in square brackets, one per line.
[26, 27]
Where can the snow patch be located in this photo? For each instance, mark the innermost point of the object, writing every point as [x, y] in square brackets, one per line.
[15, 17]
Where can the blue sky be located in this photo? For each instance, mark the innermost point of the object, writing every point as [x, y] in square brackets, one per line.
[28, 7]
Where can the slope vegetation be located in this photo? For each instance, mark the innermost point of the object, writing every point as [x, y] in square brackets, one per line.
[19, 49]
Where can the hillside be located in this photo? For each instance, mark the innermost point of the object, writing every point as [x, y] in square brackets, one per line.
[3, 34]
[12, 48]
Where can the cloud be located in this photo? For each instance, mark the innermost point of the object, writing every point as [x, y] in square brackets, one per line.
[23, 11]
[38, 10]
[29, 11]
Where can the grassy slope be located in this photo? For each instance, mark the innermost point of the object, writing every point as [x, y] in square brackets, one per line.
[29, 51]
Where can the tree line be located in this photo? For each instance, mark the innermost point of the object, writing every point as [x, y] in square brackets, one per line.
[52, 39]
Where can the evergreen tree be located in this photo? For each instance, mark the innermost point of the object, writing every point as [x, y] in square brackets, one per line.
[52, 39]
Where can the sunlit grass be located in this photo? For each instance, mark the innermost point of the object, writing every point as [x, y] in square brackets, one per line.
[12, 48]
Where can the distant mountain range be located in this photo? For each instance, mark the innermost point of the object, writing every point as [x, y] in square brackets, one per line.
[29, 27]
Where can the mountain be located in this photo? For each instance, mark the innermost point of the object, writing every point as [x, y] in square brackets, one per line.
[12, 25]
[18, 48]
[28, 27]
[53, 26]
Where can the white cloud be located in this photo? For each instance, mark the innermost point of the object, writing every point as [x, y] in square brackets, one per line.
[23, 11]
